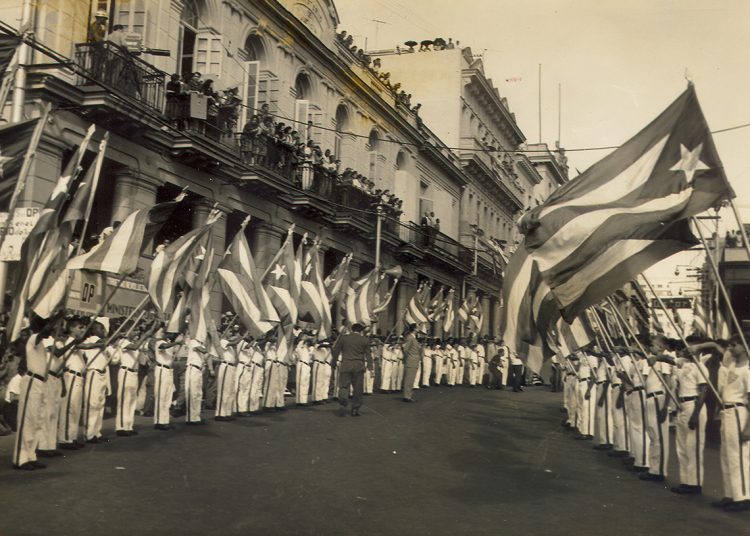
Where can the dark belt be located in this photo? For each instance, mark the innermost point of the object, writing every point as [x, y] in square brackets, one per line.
[639, 388]
[655, 394]
[730, 406]
[123, 367]
[195, 366]
[164, 366]
[36, 376]
[228, 364]
[79, 374]
[688, 398]
[97, 370]
[57, 375]
[601, 382]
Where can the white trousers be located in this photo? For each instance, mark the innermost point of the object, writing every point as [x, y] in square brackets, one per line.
[225, 390]
[193, 393]
[439, 368]
[639, 442]
[321, 381]
[570, 398]
[369, 386]
[303, 382]
[48, 436]
[256, 387]
[586, 411]
[658, 435]
[386, 375]
[426, 370]
[398, 376]
[690, 444]
[604, 430]
[417, 376]
[735, 454]
[163, 392]
[127, 396]
[70, 408]
[242, 384]
[31, 401]
[620, 420]
[95, 393]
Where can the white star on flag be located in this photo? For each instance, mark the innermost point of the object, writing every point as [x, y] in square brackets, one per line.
[690, 162]
[61, 187]
[278, 272]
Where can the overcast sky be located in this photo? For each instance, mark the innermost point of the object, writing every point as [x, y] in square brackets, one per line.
[619, 65]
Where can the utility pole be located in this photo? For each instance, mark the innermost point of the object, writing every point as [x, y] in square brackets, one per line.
[378, 232]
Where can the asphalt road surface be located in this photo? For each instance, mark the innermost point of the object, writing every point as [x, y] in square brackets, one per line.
[460, 461]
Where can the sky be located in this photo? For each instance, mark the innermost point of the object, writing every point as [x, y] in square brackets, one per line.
[616, 66]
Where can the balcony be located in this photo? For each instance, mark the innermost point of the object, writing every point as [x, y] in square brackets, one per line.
[419, 243]
[113, 68]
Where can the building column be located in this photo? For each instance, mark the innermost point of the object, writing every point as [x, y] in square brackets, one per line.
[43, 174]
[266, 242]
[131, 193]
[407, 289]
[487, 315]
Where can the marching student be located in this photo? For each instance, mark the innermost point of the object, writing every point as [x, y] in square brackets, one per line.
[619, 414]
[657, 409]
[54, 388]
[97, 385]
[256, 381]
[71, 402]
[164, 351]
[387, 364]
[633, 378]
[586, 396]
[322, 372]
[570, 392]
[303, 358]
[428, 357]
[225, 382]
[126, 356]
[691, 424]
[195, 366]
[604, 431]
[31, 400]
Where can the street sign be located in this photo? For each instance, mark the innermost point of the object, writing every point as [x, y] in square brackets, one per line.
[673, 303]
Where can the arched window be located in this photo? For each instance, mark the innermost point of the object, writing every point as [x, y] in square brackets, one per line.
[373, 144]
[254, 88]
[342, 126]
[189, 24]
[303, 108]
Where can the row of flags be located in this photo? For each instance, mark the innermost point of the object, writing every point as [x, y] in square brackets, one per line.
[600, 230]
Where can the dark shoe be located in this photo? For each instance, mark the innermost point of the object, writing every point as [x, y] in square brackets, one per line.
[722, 503]
[685, 489]
[651, 477]
[408, 399]
[68, 446]
[582, 436]
[639, 469]
[195, 423]
[93, 440]
[122, 433]
[162, 427]
[618, 454]
[603, 447]
[355, 413]
[132, 432]
[28, 466]
[222, 419]
[48, 453]
[103, 439]
[38, 465]
[80, 444]
[737, 506]
[628, 461]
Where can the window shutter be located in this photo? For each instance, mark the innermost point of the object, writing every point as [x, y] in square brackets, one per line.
[301, 112]
[208, 54]
[317, 120]
[133, 14]
[250, 91]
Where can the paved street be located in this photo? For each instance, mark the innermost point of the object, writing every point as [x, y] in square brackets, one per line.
[460, 461]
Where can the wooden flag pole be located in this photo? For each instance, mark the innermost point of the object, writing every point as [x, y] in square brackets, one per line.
[620, 321]
[724, 293]
[615, 354]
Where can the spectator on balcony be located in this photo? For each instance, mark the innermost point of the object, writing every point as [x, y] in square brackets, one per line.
[308, 160]
[175, 110]
[249, 140]
[97, 31]
[265, 137]
[117, 37]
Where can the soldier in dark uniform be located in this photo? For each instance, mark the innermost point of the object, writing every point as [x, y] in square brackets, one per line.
[354, 349]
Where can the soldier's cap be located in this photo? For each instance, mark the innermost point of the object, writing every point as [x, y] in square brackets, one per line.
[101, 14]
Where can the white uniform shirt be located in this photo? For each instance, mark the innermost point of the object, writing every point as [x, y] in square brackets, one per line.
[126, 357]
[96, 358]
[734, 384]
[653, 384]
[584, 370]
[228, 354]
[194, 357]
[75, 361]
[164, 356]
[37, 356]
[244, 353]
[689, 379]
